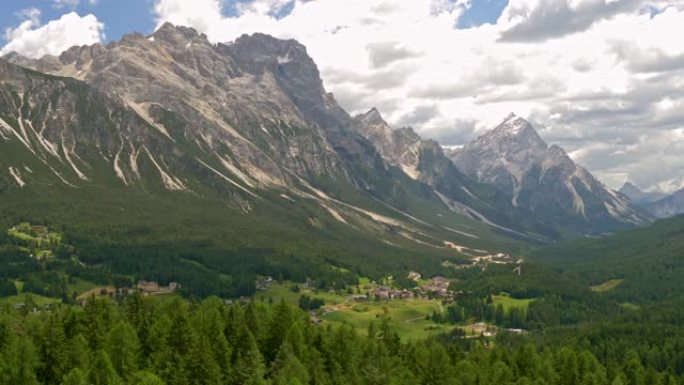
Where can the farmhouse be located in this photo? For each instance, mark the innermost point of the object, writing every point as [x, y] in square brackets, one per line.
[152, 288]
[262, 284]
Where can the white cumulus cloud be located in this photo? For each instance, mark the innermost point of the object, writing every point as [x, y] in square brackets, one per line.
[602, 78]
[34, 40]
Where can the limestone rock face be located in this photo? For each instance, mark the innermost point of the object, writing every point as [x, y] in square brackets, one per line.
[176, 112]
[544, 179]
[425, 161]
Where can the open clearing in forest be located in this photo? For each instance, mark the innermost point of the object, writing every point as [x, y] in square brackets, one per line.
[508, 302]
[406, 317]
[37, 299]
[607, 286]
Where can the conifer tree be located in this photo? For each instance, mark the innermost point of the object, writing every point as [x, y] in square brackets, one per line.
[145, 378]
[77, 352]
[249, 367]
[76, 376]
[123, 348]
[634, 370]
[277, 330]
[201, 367]
[287, 369]
[102, 371]
[53, 356]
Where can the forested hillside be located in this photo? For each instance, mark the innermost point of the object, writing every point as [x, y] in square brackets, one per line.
[147, 341]
[646, 264]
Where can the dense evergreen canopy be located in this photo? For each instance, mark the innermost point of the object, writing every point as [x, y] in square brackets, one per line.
[165, 341]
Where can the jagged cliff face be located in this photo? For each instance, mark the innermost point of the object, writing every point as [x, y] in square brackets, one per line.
[503, 156]
[255, 109]
[248, 124]
[58, 130]
[251, 119]
[425, 161]
[400, 148]
[515, 159]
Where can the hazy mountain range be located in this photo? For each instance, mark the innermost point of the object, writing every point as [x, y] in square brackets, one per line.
[657, 203]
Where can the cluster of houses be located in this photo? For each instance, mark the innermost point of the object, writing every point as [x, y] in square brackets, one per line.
[481, 329]
[437, 287]
[482, 261]
[386, 293]
[263, 283]
[154, 288]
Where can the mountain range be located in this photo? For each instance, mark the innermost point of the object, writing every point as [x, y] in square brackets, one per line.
[247, 131]
[544, 179]
[659, 204]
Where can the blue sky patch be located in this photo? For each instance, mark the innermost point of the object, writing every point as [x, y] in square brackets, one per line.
[119, 16]
[482, 12]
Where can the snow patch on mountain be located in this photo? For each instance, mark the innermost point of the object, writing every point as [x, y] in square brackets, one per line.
[16, 174]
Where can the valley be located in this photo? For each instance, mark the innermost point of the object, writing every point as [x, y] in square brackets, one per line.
[176, 210]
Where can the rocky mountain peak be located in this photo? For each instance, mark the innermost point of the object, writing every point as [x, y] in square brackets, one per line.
[47, 63]
[370, 117]
[80, 53]
[558, 154]
[409, 134]
[265, 51]
[516, 129]
[630, 189]
[639, 196]
[372, 126]
[177, 35]
[515, 159]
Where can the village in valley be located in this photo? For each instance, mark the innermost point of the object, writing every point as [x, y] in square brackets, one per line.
[436, 287]
[409, 302]
[409, 308]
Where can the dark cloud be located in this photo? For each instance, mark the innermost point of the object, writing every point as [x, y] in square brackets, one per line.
[419, 116]
[358, 101]
[451, 133]
[445, 91]
[384, 79]
[384, 53]
[557, 18]
[545, 89]
[651, 60]
[636, 134]
[482, 81]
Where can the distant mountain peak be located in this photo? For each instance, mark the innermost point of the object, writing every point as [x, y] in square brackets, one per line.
[637, 195]
[515, 159]
[371, 117]
[630, 187]
[662, 205]
[513, 122]
[171, 33]
[517, 127]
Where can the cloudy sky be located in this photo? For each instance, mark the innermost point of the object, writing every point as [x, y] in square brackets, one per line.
[604, 79]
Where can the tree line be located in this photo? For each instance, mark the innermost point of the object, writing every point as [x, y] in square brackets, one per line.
[147, 340]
